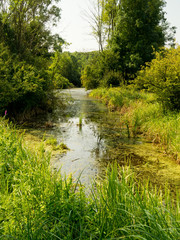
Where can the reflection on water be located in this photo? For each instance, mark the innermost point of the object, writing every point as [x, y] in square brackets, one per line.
[97, 137]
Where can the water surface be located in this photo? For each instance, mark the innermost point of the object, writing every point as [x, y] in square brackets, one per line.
[96, 137]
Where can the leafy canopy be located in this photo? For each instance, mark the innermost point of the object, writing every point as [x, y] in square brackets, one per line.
[162, 76]
[141, 27]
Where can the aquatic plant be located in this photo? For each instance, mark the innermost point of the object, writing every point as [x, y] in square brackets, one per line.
[55, 146]
[38, 203]
[62, 147]
[141, 113]
[51, 141]
[80, 121]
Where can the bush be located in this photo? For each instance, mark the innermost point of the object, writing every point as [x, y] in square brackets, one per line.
[112, 78]
[162, 76]
[89, 77]
[21, 84]
[102, 70]
[61, 82]
[64, 70]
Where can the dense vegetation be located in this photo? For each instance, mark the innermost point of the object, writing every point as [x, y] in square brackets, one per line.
[133, 31]
[26, 45]
[141, 112]
[38, 203]
[162, 76]
[31, 60]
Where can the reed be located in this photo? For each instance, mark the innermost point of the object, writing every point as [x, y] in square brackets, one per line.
[80, 121]
[37, 203]
[142, 113]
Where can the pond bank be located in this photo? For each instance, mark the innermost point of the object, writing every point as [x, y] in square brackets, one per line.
[97, 137]
[36, 203]
[142, 114]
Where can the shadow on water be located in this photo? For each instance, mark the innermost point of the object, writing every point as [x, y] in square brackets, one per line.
[96, 137]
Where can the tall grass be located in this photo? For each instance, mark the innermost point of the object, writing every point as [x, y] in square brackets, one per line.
[128, 209]
[116, 98]
[142, 113]
[37, 203]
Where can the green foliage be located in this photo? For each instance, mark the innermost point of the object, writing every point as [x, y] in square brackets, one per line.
[140, 27]
[34, 202]
[64, 70]
[38, 203]
[21, 84]
[162, 76]
[25, 50]
[51, 141]
[118, 97]
[26, 22]
[110, 14]
[160, 128]
[101, 70]
[83, 58]
[89, 77]
[133, 30]
[112, 78]
[55, 146]
[68, 68]
[61, 82]
[142, 113]
[92, 72]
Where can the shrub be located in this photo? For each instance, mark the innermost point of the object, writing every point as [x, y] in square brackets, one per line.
[162, 76]
[22, 85]
[64, 70]
[61, 82]
[89, 77]
[112, 78]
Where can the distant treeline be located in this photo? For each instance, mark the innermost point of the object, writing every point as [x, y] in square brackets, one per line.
[32, 63]
[132, 35]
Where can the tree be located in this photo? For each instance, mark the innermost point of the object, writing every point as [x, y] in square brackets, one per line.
[110, 13]
[95, 19]
[101, 70]
[141, 28]
[93, 71]
[64, 69]
[102, 17]
[28, 21]
[21, 84]
[25, 50]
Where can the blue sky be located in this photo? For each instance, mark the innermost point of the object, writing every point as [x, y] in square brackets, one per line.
[76, 30]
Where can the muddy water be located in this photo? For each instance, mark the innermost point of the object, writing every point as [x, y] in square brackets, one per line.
[96, 138]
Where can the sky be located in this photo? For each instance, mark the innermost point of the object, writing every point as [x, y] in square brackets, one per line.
[76, 30]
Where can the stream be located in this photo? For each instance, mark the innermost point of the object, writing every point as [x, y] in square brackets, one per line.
[96, 137]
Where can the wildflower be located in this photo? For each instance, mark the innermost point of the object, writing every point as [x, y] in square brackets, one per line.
[5, 112]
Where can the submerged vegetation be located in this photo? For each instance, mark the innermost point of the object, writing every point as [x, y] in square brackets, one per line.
[140, 112]
[38, 203]
[150, 104]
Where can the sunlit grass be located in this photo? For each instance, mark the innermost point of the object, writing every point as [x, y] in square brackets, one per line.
[142, 113]
[38, 203]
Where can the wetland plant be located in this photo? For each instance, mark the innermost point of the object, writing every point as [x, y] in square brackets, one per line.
[142, 113]
[39, 204]
[51, 141]
[80, 123]
[55, 146]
